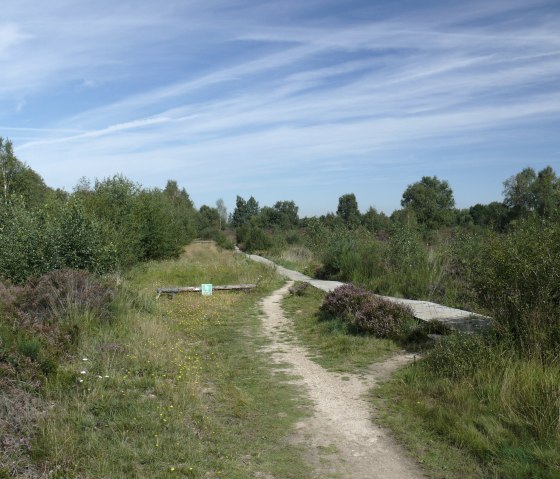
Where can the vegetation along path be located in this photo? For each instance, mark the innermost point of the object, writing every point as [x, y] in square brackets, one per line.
[423, 310]
[341, 439]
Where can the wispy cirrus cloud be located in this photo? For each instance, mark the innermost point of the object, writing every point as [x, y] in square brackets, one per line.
[260, 91]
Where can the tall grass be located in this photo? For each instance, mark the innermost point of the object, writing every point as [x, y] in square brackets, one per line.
[483, 397]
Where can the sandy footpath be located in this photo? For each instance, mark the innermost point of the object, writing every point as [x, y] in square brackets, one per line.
[341, 437]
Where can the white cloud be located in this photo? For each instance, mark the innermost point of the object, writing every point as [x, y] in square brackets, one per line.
[251, 88]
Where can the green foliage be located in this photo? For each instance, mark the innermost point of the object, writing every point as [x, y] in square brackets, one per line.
[145, 224]
[160, 235]
[283, 215]
[52, 237]
[217, 235]
[244, 211]
[526, 193]
[251, 238]
[458, 356]
[208, 218]
[10, 167]
[376, 222]
[348, 210]
[517, 277]
[431, 200]
[495, 215]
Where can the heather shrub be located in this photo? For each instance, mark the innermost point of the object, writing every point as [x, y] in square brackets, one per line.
[59, 294]
[381, 317]
[366, 312]
[345, 299]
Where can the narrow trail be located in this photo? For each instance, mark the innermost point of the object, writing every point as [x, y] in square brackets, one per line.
[340, 438]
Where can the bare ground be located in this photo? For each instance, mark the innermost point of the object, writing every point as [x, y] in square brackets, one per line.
[341, 438]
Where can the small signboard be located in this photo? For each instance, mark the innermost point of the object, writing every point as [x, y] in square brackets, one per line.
[206, 289]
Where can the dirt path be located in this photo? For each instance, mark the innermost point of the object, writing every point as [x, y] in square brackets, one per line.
[340, 437]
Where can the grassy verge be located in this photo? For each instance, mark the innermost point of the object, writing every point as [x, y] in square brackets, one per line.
[176, 388]
[329, 340]
[470, 409]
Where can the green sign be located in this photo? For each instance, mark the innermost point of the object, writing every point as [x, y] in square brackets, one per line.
[206, 289]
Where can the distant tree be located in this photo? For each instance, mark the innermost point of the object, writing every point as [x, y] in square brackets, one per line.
[494, 215]
[431, 200]
[375, 221]
[18, 180]
[208, 218]
[222, 211]
[284, 215]
[252, 207]
[348, 210]
[528, 192]
[244, 211]
[546, 190]
[288, 212]
[10, 167]
[519, 192]
[177, 196]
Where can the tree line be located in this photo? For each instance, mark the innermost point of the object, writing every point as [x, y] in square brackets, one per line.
[428, 204]
[101, 226]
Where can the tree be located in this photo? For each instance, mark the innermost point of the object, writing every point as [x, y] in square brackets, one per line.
[546, 190]
[375, 221]
[284, 215]
[288, 212]
[495, 215]
[222, 211]
[431, 200]
[176, 195]
[208, 218]
[244, 210]
[519, 192]
[10, 166]
[348, 210]
[528, 192]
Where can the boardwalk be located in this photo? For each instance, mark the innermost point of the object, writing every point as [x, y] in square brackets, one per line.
[424, 310]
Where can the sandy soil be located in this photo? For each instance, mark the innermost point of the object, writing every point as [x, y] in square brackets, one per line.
[341, 438]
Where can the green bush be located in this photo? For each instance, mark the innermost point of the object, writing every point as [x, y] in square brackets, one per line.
[53, 237]
[517, 277]
[252, 238]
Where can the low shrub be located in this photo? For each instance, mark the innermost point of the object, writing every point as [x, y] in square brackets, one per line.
[367, 313]
[346, 299]
[57, 295]
[381, 317]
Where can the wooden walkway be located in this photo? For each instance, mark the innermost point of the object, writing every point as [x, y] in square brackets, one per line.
[423, 310]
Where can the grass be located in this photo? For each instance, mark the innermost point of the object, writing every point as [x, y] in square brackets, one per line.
[489, 414]
[295, 257]
[176, 388]
[329, 340]
[471, 408]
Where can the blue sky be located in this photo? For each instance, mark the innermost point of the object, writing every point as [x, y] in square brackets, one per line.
[284, 100]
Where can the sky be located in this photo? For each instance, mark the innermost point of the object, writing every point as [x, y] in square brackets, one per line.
[283, 100]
